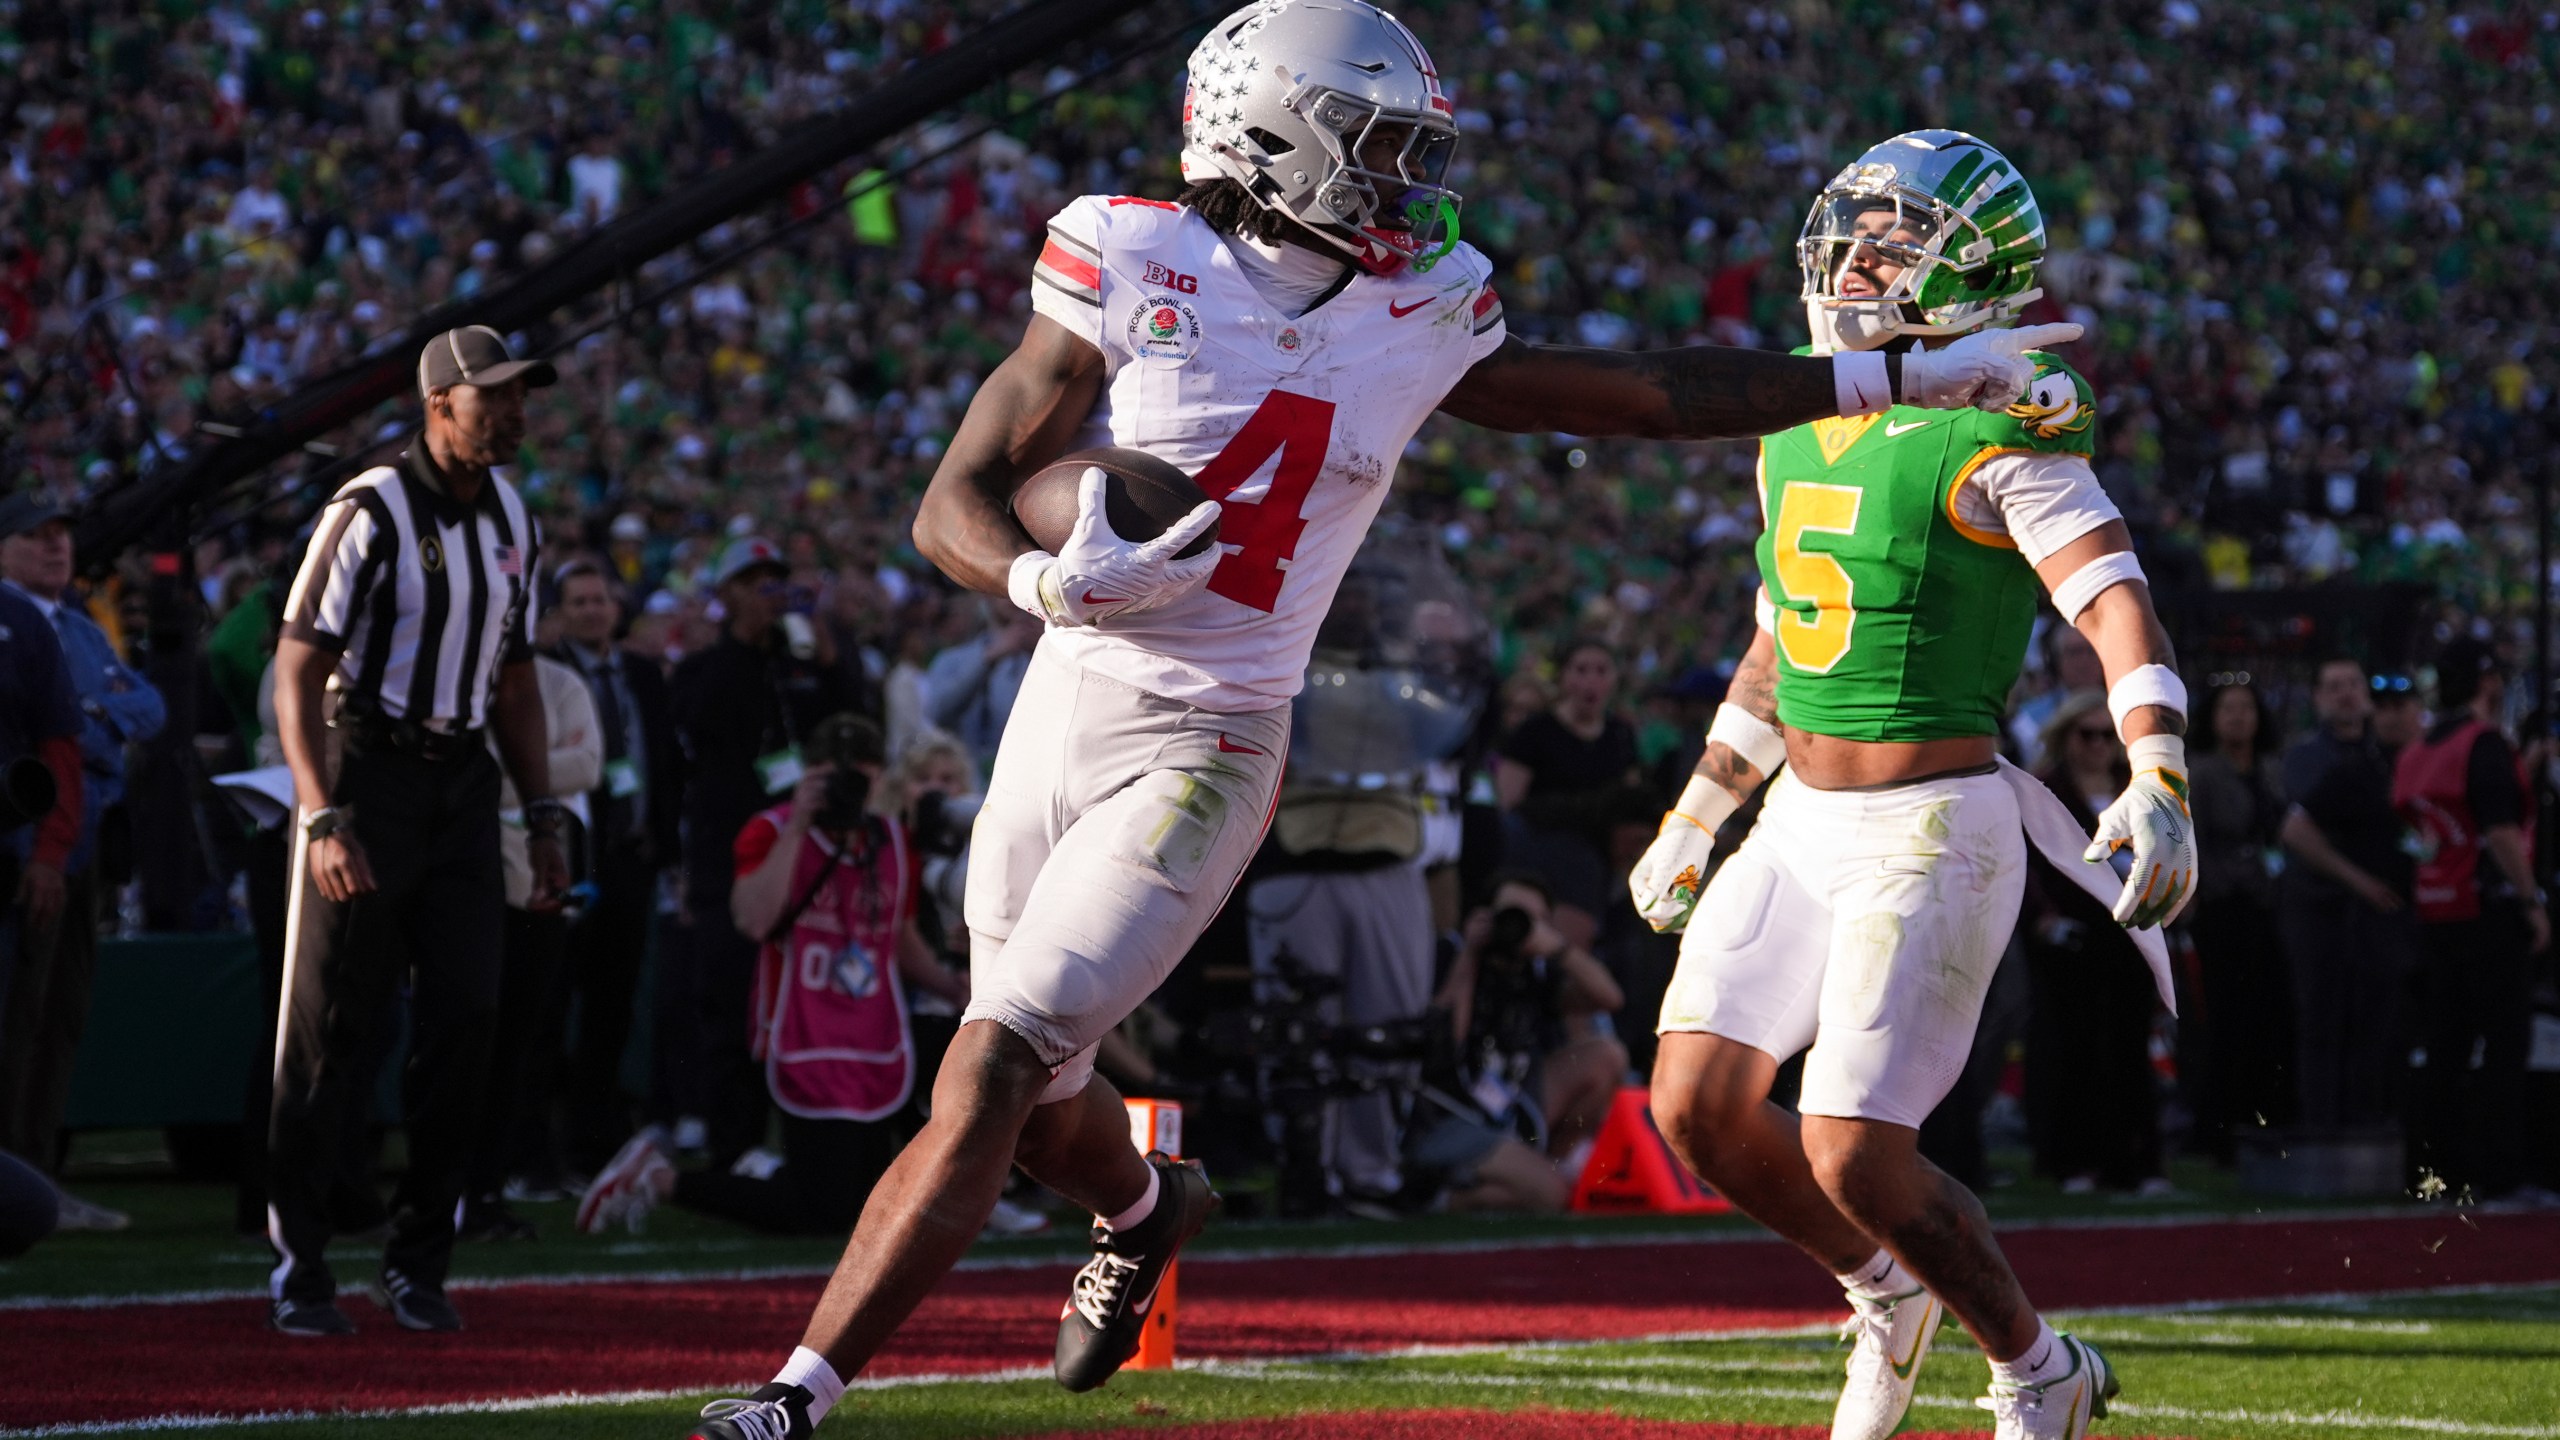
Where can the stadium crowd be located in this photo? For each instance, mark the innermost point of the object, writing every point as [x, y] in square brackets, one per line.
[2316, 270]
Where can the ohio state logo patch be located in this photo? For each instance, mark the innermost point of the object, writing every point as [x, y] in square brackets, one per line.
[1163, 327]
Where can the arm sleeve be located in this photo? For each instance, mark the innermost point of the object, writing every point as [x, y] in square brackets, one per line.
[2041, 502]
[2496, 798]
[59, 830]
[326, 598]
[519, 646]
[1066, 281]
[755, 842]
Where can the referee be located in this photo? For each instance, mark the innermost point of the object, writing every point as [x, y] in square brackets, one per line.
[409, 630]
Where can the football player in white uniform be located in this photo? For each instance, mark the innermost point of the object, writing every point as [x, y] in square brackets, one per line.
[1280, 334]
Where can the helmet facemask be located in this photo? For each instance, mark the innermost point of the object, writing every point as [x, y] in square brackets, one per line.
[1328, 112]
[1383, 201]
[1948, 283]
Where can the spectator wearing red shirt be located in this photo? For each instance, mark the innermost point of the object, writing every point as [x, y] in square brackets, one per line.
[831, 890]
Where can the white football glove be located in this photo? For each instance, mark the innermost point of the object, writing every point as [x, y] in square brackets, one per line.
[1673, 869]
[1987, 369]
[2151, 818]
[1098, 575]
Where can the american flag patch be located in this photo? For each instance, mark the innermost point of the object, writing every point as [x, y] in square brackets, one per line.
[510, 560]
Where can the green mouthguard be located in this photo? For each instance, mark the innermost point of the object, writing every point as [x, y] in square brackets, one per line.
[1437, 210]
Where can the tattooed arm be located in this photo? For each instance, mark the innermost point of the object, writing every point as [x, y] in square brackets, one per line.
[1020, 420]
[1755, 692]
[1742, 749]
[1702, 392]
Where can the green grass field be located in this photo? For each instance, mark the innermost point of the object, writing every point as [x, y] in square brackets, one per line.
[2433, 1366]
[2477, 1363]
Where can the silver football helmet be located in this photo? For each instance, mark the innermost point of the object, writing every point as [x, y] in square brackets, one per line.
[1952, 213]
[1330, 112]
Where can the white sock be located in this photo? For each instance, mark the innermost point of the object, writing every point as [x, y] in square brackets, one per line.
[1145, 1206]
[810, 1371]
[1881, 1278]
[2045, 1358]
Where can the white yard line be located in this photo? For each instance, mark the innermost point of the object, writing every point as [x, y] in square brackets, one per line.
[511, 1405]
[2327, 1419]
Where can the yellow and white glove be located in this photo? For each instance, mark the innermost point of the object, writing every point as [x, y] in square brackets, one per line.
[1673, 869]
[1987, 369]
[2152, 820]
[1098, 575]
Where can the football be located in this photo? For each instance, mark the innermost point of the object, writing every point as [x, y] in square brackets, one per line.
[1143, 496]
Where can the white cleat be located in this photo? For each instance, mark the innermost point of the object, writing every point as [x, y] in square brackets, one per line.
[2060, 1408]
[1889, 1339]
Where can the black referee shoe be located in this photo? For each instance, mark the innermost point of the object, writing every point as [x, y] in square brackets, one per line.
[415, 1306]
[1107, 1311]
[309, 1319]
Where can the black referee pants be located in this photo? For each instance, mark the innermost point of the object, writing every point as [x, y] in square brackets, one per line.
[430, 831]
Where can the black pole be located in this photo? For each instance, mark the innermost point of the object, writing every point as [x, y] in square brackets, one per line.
[121, 517]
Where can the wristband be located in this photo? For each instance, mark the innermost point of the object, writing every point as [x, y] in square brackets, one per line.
[1859, 383]
[320, 824]
[2083, 585]
[1026, 585]
[544, 817]
[2146, 685]
[1747, 735]
[2164, 753]
[1702, 803]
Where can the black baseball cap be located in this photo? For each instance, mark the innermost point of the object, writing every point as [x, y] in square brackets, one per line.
[28, 509]
[477, 355]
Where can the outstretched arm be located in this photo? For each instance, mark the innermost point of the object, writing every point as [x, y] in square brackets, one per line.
[1703, 392]
[1021, 419]
[1712, 392]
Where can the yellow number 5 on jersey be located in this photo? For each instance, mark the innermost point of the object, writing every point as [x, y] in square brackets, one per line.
[1816, 642]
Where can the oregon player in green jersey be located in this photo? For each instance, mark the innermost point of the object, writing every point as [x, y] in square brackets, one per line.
[1903, 560]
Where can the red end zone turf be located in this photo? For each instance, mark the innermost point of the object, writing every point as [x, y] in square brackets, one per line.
[218, 1358]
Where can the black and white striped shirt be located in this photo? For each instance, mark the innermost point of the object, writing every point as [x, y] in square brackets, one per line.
[421, 596]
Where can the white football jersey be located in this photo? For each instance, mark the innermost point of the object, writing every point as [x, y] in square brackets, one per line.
[1294, 425]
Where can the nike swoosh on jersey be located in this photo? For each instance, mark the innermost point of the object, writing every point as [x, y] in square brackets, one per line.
[1092, 599]
[1906, 427]
[1230, 747]
[1401, 311]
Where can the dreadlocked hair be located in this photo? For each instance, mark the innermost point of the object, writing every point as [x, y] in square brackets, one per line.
[1231, 209]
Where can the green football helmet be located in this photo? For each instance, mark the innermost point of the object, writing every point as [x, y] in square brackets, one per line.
[1952, 211]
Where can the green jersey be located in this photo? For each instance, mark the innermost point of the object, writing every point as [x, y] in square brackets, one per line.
[1896, 618]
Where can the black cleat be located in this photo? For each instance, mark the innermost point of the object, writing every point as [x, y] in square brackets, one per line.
[309, 1318]
[1107, 1311]
[776, 1412]
[415, 1306]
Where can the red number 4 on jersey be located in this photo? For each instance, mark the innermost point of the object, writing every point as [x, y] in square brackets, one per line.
[1300, 429]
